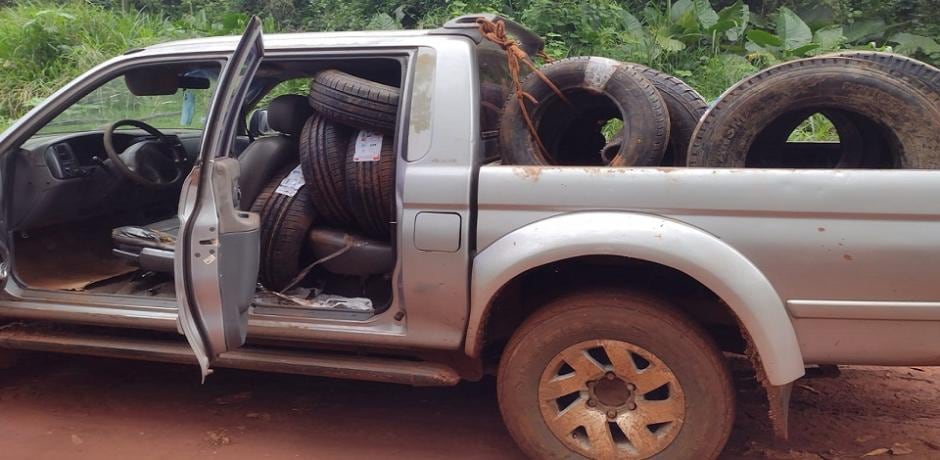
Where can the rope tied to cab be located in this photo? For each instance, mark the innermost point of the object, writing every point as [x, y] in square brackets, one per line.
[495, 31]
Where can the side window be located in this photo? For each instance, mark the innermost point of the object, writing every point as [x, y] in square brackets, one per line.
[295, 86]
[257, 122]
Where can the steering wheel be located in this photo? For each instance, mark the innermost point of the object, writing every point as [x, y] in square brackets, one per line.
[153, 162]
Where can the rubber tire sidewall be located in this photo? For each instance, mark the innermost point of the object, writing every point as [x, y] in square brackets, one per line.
[323, 146]
[905, 105]
[9, 358]
[865, 136]
[861, 141]
[354, 101]
[285, 223]
[370, 188]
[685, 106]
[634, 317]
[646, 120]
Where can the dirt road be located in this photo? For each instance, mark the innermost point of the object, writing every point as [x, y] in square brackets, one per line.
[55, 407]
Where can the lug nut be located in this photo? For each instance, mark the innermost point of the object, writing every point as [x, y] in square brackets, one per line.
[610, 376]
[591, 403]
[632, 406]
[611, 414]
[631, 386]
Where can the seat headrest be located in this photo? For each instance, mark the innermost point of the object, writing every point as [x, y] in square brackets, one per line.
[288, 113]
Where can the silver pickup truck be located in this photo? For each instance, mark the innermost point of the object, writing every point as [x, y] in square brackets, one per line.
[605, 300]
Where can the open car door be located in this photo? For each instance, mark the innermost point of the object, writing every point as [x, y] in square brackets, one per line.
[217, 251]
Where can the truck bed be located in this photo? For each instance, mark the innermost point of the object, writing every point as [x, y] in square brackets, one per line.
[847, 250]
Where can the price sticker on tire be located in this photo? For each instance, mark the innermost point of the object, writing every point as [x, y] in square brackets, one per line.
[368, 146]
[292, 183]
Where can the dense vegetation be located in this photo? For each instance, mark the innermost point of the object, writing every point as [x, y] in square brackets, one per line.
[711, 44]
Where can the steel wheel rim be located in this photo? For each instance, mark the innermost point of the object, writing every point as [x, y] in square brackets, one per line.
[611, 399]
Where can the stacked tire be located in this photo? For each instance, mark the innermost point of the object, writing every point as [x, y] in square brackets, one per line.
[885, 109]
[345, 179]
[658, 111]
[347, 153]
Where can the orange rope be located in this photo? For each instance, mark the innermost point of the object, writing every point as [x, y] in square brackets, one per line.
[496, 33]
[548, 59]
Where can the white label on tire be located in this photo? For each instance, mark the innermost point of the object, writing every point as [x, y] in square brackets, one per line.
[292, 183]
[598, 72]
[368, 146]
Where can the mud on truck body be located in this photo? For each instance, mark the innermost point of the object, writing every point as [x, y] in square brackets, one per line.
[605, 299]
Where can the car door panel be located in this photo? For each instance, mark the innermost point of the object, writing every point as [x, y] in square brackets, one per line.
[217, 250]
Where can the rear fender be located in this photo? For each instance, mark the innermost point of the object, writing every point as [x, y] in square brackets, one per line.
[688, 249]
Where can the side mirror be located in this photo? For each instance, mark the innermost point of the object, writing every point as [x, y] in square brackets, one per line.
[258, 123]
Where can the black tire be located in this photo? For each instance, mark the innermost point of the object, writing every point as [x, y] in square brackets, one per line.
[371, 186]
[8, 358]
[685, 106]
[261, 200]
[689, 356]
[285, 222]
[863, 142]
[323, 146]
[904, 65]
[599, 89]
[906, 107]
[355, 101]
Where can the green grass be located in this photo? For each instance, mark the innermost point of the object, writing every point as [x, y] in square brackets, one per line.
[43, 45]
[816, 128]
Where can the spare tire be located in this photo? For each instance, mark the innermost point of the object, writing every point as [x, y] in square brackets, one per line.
[286, 217]
[685, 106]
[370, 183]
[323, 146]
[906, 107]
[598, 89]
[355, 101]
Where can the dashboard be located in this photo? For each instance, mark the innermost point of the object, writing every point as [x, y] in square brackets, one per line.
[79, 156]
[67, 177]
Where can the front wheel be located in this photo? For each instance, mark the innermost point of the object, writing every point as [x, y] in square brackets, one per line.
[614, 374]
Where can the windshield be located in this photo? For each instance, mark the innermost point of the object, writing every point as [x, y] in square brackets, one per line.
[113, 101]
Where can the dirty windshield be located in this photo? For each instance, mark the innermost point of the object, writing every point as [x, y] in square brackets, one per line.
[113, 101]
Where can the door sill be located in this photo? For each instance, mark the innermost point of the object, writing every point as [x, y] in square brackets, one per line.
[320, 307]
[255, 358]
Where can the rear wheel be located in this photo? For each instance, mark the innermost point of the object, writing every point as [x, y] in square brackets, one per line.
[613, 374]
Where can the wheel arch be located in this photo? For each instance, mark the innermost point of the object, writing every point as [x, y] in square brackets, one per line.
[654, 239]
